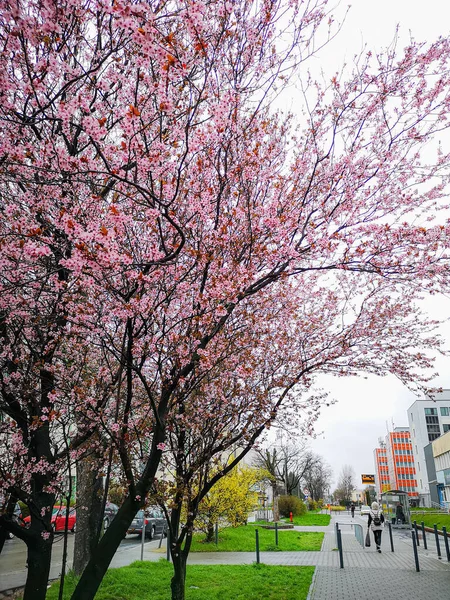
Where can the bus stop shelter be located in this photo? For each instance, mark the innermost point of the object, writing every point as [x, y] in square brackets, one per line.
[395, 505]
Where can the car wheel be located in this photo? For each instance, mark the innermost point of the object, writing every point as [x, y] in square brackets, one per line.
[151, 533]
[74, 528]
[10, 536]
[105, 524]
[165, 532]
[53, 527]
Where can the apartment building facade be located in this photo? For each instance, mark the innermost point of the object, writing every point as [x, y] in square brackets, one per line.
[382, 483]
[428, 420]
[394, 464]
[400, 459]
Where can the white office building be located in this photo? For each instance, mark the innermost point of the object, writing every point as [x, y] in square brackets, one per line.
[428, 420]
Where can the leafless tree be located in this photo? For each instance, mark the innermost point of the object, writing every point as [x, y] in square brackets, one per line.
[317, 477]
[346, 484]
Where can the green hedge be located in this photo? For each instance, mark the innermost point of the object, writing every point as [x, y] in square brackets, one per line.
[291, 504]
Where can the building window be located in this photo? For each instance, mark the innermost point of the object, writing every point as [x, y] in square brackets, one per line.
[430, 411]
[432, 419]
[444, 411]
[446, 427]
[433, 436]
[434, 428]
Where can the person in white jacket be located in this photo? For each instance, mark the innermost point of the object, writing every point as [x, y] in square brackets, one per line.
[376, 523]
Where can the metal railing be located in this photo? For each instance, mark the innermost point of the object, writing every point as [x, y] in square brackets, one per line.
[440, 506]
[359, 533]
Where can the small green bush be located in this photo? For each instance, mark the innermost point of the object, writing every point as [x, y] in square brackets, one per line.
[291, 504]
[312, 504]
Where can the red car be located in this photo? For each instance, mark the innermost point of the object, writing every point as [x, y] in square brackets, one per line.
[59, 519]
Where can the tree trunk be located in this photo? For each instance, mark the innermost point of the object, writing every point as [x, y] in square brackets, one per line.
[276, 512]
[89, 514]
[100, 560]
[3, 534]
[39, 559]
[210, 532]
[178, 582]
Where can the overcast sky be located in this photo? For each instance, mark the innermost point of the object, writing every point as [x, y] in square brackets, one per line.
[367, 406]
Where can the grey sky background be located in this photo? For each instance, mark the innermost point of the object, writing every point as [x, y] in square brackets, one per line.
[348, 431]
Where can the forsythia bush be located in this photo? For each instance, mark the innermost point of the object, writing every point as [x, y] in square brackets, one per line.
[230, 500]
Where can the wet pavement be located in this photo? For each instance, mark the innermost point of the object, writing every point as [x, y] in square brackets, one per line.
[13, 558]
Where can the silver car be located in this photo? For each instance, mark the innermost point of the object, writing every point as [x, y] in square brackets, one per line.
[155, 523]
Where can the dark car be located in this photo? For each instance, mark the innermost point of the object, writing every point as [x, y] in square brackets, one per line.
[155, 523]
[110, 512]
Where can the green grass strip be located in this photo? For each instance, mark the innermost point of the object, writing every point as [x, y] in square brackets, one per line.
[429, 520]
[311, 519]
[151, 581]
[242, 539]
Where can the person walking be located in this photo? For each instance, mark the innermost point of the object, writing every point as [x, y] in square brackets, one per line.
[352, 508]
[376, 523]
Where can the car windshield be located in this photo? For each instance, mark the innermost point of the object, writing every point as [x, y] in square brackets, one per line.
[139, 514]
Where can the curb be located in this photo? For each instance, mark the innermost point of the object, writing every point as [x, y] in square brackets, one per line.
[311, 587]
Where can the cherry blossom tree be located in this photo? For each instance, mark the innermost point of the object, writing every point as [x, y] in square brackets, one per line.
[159, 213]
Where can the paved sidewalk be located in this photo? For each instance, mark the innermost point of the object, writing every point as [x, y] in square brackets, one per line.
[367, 574]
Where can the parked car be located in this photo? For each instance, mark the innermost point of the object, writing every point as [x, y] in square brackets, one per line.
[58, 521]
[111, 511]
[365, 510]
[154, 520]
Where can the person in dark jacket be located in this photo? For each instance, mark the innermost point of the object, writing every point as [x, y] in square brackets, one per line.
[352, 508]
[399, 514]
[376, 523]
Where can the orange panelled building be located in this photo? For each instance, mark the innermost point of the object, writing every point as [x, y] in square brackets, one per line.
[381, 469]
[394, 462]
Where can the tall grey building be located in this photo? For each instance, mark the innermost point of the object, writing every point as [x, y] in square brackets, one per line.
[428, 420]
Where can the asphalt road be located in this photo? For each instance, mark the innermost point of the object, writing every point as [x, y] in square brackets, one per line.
[14, 555]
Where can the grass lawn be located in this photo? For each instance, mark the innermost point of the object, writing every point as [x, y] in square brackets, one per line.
[151, 581]
[311, 518]
[441, 520]
[242, 539]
